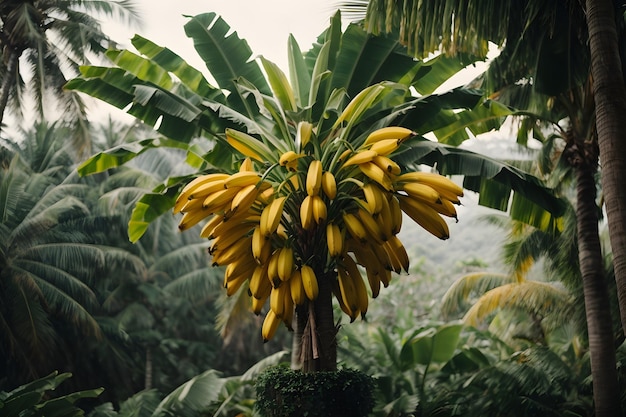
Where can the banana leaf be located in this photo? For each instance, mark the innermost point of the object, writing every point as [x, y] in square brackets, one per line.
[496, 182]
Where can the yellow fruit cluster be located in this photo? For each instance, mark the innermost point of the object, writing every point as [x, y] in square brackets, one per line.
[308, 218]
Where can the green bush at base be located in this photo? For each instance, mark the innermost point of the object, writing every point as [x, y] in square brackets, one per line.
[282, 392]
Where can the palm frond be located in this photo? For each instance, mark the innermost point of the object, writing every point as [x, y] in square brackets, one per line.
[537, 298]
[234, 313]
[458, 296]
[191, 397]
[60, 301]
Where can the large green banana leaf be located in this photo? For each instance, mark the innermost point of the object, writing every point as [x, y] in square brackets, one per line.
[158, 87]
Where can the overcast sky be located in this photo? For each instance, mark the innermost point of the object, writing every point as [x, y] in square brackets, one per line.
[265, 24]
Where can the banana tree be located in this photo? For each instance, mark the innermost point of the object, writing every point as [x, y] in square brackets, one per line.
[302, 179]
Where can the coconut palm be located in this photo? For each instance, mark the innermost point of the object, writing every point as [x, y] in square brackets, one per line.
[517, 306]
[273, 130]
[43, 43]
[545, 55]
[50, 257]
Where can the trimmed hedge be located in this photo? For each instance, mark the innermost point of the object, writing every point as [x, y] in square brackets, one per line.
[282, 392]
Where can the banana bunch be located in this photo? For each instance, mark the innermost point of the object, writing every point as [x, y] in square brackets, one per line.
[284, 221]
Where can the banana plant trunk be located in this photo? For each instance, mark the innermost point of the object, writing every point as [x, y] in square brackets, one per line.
[318, 338]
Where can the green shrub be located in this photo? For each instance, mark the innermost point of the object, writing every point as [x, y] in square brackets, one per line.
[282, 392]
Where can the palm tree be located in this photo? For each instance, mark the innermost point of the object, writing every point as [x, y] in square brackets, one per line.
[537, 307]
[610, 101]
[546, 54]
[50, 255]
[262, 114]
[43, 43]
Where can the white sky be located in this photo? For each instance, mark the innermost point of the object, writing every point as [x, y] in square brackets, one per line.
[265, 24]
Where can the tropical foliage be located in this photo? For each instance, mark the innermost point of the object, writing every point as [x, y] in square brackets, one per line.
[43, 43]
[295, 131]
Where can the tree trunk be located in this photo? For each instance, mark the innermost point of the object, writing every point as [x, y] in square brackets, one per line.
[319, 342]
[298, 336]
[610, 100]
[599, 324]
[148, 376]
[5, 89]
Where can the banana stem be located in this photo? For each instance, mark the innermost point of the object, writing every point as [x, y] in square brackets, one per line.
[319, 342]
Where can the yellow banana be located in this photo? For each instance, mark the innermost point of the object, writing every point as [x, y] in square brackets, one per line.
[337, 293]
[329, 185]
[319, 209]
[344, 155]
[234, 279]
[387, 164]
[297, 288]
[292, 166]
[196, 182]
[207, 188]
[258, 242]
[266, 253]
[307, 216]
[427, 217]
[271, 215]
[389, 132]
[309, 282]
[229, 224]
[334, 239]
[355, 227]
[192, 218]
[314, 177]
[381, 256]
[218, 200]
[303, 133]
[396, 263]
[244, 198]
[235, 284]
[385, 277]
[371, 226]
[265, 197]
[193, 185]
[362, 298]
[260, 285]
[396, 214]
[445, 207]
[385, 147]
[270, 325]
[257, 304]
[360, 157]
[384, 217]
[375, 173]
[400, 251]
[234, 234]
[210, 225]
[288, 308]
[372, 267]
[373, 197]
[277, 302]
[191, 205]
[246, 165]
[288, 157]
[272, 268]
[231, 253]
[348, 293]
[420, 191]
[242, 179]
[439, 182]
[285, 263]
